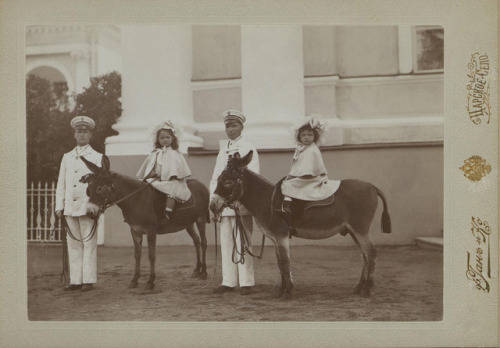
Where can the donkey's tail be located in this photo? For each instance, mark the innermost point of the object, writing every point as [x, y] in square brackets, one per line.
[386, 219]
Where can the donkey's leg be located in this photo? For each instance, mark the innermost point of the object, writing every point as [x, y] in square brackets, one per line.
[152, 258]
[283, 254]
[200, 223]
[196, 241]
[137, 238]
[279, 291]
[364, 272]
[366, 244]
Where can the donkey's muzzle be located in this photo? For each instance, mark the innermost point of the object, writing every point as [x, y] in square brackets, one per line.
[216, 204]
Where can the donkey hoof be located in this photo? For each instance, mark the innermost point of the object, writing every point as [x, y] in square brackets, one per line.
[357, 289]
[365, 292]
[286, 296]
[203, 275]
[149, 286]
[278, 292]
[195, 274]
[133, 285]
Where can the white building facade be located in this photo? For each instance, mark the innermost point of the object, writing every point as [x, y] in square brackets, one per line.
[380, 89]
[72, 53]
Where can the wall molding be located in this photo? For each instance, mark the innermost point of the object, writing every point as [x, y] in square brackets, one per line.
[198, 151]
[372, 80]
[56, 49]
[432, 120]
[215, 84]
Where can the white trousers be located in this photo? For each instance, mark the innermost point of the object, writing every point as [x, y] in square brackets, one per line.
[234, 274]
[82, 255]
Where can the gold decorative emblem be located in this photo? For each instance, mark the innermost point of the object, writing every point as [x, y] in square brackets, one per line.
[475, 168]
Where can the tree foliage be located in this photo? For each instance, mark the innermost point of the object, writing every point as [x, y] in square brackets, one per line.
[48, 116]
[101, 101]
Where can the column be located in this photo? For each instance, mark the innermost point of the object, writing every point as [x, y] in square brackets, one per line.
[405, 49]
[82, 69]
[272, 83]
[156, 86]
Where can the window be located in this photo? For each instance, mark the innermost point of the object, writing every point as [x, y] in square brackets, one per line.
[428, 48]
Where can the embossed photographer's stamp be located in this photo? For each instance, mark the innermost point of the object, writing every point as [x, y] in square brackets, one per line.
[475, 168]
[478, 96]
[478, 259]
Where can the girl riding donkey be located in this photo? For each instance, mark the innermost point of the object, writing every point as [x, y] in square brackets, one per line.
[166, 169]
[351, 212]
[307, 180]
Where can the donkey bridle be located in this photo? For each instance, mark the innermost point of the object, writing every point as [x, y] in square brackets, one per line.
[102, 208]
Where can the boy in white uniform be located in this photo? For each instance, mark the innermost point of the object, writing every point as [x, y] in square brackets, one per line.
[234, 274]
[71, 201]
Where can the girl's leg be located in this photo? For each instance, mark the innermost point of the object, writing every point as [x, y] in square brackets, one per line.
[287, 210]
[169, 206]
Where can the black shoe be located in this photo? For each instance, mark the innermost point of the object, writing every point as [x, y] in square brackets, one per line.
[286, 207]
[87, 287]
[222, 289]
[246, 290]
[72, 287]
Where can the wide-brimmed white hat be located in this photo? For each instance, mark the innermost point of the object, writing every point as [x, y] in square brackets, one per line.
[168, 124]
[315, 122]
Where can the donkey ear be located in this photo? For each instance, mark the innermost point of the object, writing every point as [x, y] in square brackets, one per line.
[93, 168]
[247, 158]
[105, 163]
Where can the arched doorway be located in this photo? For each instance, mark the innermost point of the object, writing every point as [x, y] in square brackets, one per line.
[63, 86]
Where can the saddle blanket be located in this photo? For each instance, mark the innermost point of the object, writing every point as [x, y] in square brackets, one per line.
[299, 206]
[159, 200]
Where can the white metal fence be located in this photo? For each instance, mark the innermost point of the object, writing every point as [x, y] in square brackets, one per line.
[43, 225]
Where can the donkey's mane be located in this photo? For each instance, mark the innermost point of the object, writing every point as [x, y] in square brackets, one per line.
[259, 177]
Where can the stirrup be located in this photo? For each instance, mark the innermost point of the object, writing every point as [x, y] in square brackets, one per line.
[164, 220]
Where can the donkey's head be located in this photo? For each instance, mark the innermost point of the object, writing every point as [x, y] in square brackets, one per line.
[100, 184]
[230, 183]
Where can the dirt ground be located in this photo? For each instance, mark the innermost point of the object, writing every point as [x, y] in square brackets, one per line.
[408, 287]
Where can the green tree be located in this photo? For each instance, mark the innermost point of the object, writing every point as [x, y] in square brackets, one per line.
[48, 117]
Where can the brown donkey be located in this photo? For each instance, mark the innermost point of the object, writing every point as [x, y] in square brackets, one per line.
[351, 212]
[135, 199]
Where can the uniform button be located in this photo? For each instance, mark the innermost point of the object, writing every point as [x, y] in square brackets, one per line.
[76, 171]
[74, 185]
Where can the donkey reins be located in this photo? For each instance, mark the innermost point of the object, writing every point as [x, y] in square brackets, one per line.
[244, 241]
[106, 206]
[102, 208]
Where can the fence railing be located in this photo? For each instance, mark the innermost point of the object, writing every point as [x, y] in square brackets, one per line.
[43, 225]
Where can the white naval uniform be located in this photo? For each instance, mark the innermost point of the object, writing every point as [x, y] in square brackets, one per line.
[71, 196]
[234, 274]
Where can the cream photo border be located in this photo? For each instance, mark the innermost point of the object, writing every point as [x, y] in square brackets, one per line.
[470, 317]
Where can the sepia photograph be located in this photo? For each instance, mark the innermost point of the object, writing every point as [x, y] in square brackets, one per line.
[232, 173]
[325, 140]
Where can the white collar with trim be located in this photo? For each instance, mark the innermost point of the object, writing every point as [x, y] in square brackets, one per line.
[234, 141]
